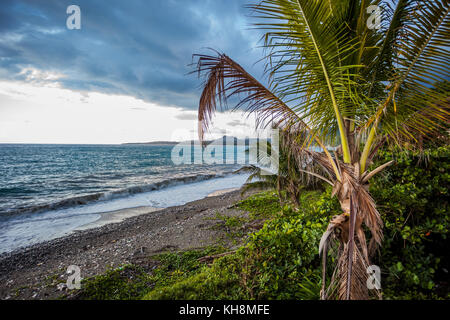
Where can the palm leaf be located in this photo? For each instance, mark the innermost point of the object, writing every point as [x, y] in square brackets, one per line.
[417, 97]
[309, 63]
[226, 78]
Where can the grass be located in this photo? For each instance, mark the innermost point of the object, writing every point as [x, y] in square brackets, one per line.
[257, 207]
[261, 205]
[179, 275]
[124, 283]
[233, 226]
[131, 282]
[260, 269]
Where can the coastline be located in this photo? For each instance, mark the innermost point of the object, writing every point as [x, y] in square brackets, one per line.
[116, 216]
[121, 238]
[96, 209]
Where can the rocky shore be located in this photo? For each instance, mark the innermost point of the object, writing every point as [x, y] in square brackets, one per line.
[39, 271]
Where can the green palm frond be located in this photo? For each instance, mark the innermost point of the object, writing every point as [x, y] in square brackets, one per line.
[336, 81]
[417, 93]
[311, 62]
[381, 58]
[225, 78]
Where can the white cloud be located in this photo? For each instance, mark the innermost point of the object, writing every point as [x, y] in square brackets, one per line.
[44, 112]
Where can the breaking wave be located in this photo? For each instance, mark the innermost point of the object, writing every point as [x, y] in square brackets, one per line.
[111, 195]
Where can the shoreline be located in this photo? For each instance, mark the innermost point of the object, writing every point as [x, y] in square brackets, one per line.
[123, 240]
[116, 216]
[23, 230]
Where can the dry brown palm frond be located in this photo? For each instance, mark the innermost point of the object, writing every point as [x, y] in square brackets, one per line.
[366, 205]
[369, 214]
[358, 277]
[226, 78]
[312, 164]
[366, 177]
[345, 285]
[346, 232]
[326, 242]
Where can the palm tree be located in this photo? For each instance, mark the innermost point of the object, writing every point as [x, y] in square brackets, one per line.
[336, 81]
[290, 177]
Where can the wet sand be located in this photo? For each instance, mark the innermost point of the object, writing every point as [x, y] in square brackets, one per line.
[116, 217]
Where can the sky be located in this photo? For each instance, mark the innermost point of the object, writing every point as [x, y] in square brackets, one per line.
[124, 76]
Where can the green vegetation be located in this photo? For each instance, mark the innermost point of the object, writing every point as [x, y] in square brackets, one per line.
[262, 205]
[255, 210]
[413, 200]
[333, 78]
[124, 283]
[132, 282]
[281, 261]
[233, 226]
[276, 259]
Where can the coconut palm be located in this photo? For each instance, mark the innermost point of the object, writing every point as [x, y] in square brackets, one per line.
[335, 79]
[290, 176]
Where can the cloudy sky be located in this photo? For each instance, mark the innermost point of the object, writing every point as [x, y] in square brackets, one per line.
[123, 77]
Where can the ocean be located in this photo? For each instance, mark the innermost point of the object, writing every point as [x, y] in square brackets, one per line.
[47, 191]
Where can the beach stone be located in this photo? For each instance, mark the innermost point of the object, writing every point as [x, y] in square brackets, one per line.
[114, 245]
[61, 287]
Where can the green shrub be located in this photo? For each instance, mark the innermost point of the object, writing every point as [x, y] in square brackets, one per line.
[412, 197]
[261, 205]
[284, 253]
[280, 261]
[177, 266]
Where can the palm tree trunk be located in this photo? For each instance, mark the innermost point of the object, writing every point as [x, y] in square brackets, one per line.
[346, 235]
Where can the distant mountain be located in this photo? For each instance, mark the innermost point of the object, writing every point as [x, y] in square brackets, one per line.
[173, 143]
[154, 143]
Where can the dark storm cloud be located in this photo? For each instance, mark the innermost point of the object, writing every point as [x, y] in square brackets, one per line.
[136, 47]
